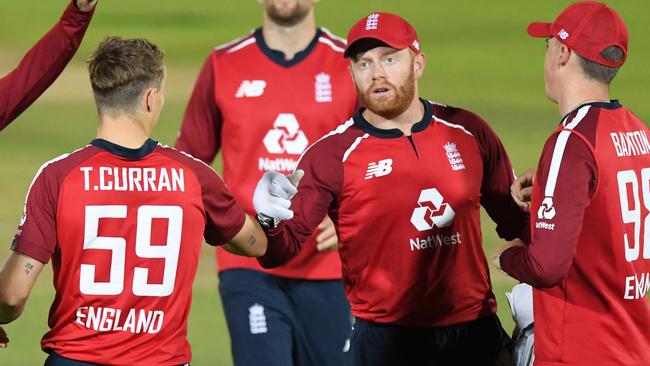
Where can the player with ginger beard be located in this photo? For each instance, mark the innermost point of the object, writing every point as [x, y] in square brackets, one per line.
[403, 181]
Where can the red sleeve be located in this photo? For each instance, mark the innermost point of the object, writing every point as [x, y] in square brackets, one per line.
[36, 236]
[200, 133]
[498, 176]
[42, 64]
[318, 194]
[224, 216]
[547, 259]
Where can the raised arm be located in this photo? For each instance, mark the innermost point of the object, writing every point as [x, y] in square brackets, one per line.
[40, 67]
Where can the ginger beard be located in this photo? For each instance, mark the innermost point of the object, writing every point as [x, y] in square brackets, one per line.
[393, 104]
[286, 15]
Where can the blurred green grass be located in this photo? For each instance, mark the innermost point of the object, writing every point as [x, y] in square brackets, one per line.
[478, 57]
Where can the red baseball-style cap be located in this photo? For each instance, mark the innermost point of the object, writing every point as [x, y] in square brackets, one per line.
[588, 28]
[388, 28]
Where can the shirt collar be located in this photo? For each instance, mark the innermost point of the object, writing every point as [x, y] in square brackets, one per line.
[366, 126]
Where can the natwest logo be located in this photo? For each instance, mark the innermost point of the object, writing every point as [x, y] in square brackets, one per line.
[546, 210]
[433, 212]
[286, 136]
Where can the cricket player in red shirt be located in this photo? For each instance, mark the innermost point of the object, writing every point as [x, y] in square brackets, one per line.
[123, 220]
[403, 181]
[262, 100]
[589, 256]
[44, 62]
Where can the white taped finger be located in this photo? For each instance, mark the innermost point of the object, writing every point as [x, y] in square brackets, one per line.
[295, 177]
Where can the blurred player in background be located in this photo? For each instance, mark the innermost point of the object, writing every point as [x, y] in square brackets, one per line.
[589, 257]
[404, 181]
[262, 100]
[122, 220]
[44, 62]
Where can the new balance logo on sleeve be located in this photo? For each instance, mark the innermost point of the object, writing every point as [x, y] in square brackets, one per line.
[379, 169]
[251, 88]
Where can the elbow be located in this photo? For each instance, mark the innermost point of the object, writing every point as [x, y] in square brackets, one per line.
[11, 306]
[258, 251]
[549, 279]
[268, 262]
[10, 299]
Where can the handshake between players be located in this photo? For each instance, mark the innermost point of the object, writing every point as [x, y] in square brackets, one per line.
[272, 198]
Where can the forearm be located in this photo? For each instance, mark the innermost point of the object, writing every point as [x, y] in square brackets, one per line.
[17, 278]
[518, 263]
[250, 241]
[282, 246]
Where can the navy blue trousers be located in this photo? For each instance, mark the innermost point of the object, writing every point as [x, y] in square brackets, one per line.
[55, 360]
[475, 343]
[285, 322]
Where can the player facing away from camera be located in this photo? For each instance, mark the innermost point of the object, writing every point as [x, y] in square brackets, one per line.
[122, 220]
[589, 257]
[44, 62]
[403, 181]
[261, 100]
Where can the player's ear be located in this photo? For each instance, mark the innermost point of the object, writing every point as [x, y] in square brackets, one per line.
[564, 55]
[419, 60]
[150, 98]
[351, 72]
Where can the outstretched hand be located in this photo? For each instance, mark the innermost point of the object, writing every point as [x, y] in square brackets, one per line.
[272, 197]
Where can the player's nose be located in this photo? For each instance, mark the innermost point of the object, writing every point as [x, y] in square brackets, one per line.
[378, 72]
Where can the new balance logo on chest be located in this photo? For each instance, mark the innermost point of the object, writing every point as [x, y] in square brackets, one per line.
[379, 169]
[251, 88]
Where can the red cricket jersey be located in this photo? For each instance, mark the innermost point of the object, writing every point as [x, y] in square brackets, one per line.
[262, 112]
[589, 259]
[124, 229]
[407, 212]
[42, 64]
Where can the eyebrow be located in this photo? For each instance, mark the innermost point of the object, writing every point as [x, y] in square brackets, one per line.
[390, 52]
